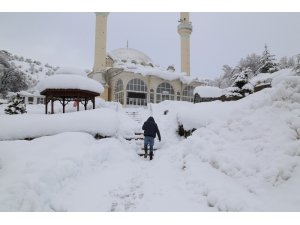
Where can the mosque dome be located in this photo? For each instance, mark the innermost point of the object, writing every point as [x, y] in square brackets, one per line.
[129, 55]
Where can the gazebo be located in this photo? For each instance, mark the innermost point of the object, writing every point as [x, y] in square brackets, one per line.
[69, 87]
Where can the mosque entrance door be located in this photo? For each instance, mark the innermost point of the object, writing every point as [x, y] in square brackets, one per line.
[136, 98]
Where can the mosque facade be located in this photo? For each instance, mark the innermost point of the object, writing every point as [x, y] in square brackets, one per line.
[130, 77]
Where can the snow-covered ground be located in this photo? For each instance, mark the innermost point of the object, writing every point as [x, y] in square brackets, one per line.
[244, 156]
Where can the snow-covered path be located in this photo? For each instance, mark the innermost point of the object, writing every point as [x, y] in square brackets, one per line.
[107, 175]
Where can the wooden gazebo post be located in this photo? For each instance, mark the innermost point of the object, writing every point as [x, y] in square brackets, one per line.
[77, 101]
[63, 104]
[46, 105]
[52, 106]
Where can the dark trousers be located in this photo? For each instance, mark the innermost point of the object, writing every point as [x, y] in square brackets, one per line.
[148, 141]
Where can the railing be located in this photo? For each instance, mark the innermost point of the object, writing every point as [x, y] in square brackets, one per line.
[185, 25]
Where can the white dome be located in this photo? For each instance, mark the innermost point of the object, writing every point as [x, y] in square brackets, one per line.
[128, 55]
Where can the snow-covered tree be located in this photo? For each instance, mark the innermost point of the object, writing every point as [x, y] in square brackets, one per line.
[241, 79]
[31, 68]
[3, 61]
[297, 65]
[225, 80]
[16, 106]
[267, 62]
[12, 80]
[252, 61]
[291, 62]
[286, 62]
[28, 60]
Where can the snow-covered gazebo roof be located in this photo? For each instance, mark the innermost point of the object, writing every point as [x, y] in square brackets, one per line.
[70, 81]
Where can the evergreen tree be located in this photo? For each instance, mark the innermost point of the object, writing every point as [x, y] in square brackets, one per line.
[267, 62]
[241, 79]
[16, 106]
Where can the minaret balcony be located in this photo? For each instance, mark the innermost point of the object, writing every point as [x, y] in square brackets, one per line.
[185, 26]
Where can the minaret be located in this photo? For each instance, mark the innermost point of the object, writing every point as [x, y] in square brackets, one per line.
[98, 72]
[100, 41]
[185, 29]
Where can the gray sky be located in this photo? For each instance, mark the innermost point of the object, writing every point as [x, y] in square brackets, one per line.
[67, 39]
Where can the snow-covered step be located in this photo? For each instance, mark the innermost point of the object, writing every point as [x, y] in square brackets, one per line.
[135, 116]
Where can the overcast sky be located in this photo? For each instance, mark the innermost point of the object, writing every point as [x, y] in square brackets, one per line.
[67, 39]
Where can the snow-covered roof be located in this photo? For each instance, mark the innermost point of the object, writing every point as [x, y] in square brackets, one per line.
[128, 55]
[208, 91]
[147, 70]
[28, 94]
[70, 81]
[132, 60]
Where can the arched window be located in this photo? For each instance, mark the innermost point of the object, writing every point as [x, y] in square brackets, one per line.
[119, 91]
[164, 91]
[178, 96]
[151, 96]
[187, 94]
[136, 92]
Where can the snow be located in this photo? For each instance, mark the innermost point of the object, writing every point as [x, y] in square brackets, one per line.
[123, 58]
[70, 81]
[105, 122]
[244, 156]
[208, 91]
[145, 70]
[34, 71]
[129, 54]
[267, 78]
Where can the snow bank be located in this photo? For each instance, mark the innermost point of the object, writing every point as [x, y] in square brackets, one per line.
[105, 122]
[70, 81]
[267, 78]
[52, 173]
[208, 91]
[244, 156]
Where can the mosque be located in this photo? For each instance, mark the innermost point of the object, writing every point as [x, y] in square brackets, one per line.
[133, 79]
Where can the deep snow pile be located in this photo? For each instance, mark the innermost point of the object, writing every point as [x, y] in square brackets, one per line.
[70, 81]
[244, 156]
[105, 122]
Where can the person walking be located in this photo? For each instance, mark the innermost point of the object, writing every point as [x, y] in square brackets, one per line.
[150, 130]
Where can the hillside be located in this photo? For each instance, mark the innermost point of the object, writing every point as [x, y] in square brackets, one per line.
[33, 70]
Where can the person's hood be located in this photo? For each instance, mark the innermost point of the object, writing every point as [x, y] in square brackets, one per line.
[151, 119]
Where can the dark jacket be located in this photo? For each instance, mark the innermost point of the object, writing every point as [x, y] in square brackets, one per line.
[150, 128]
